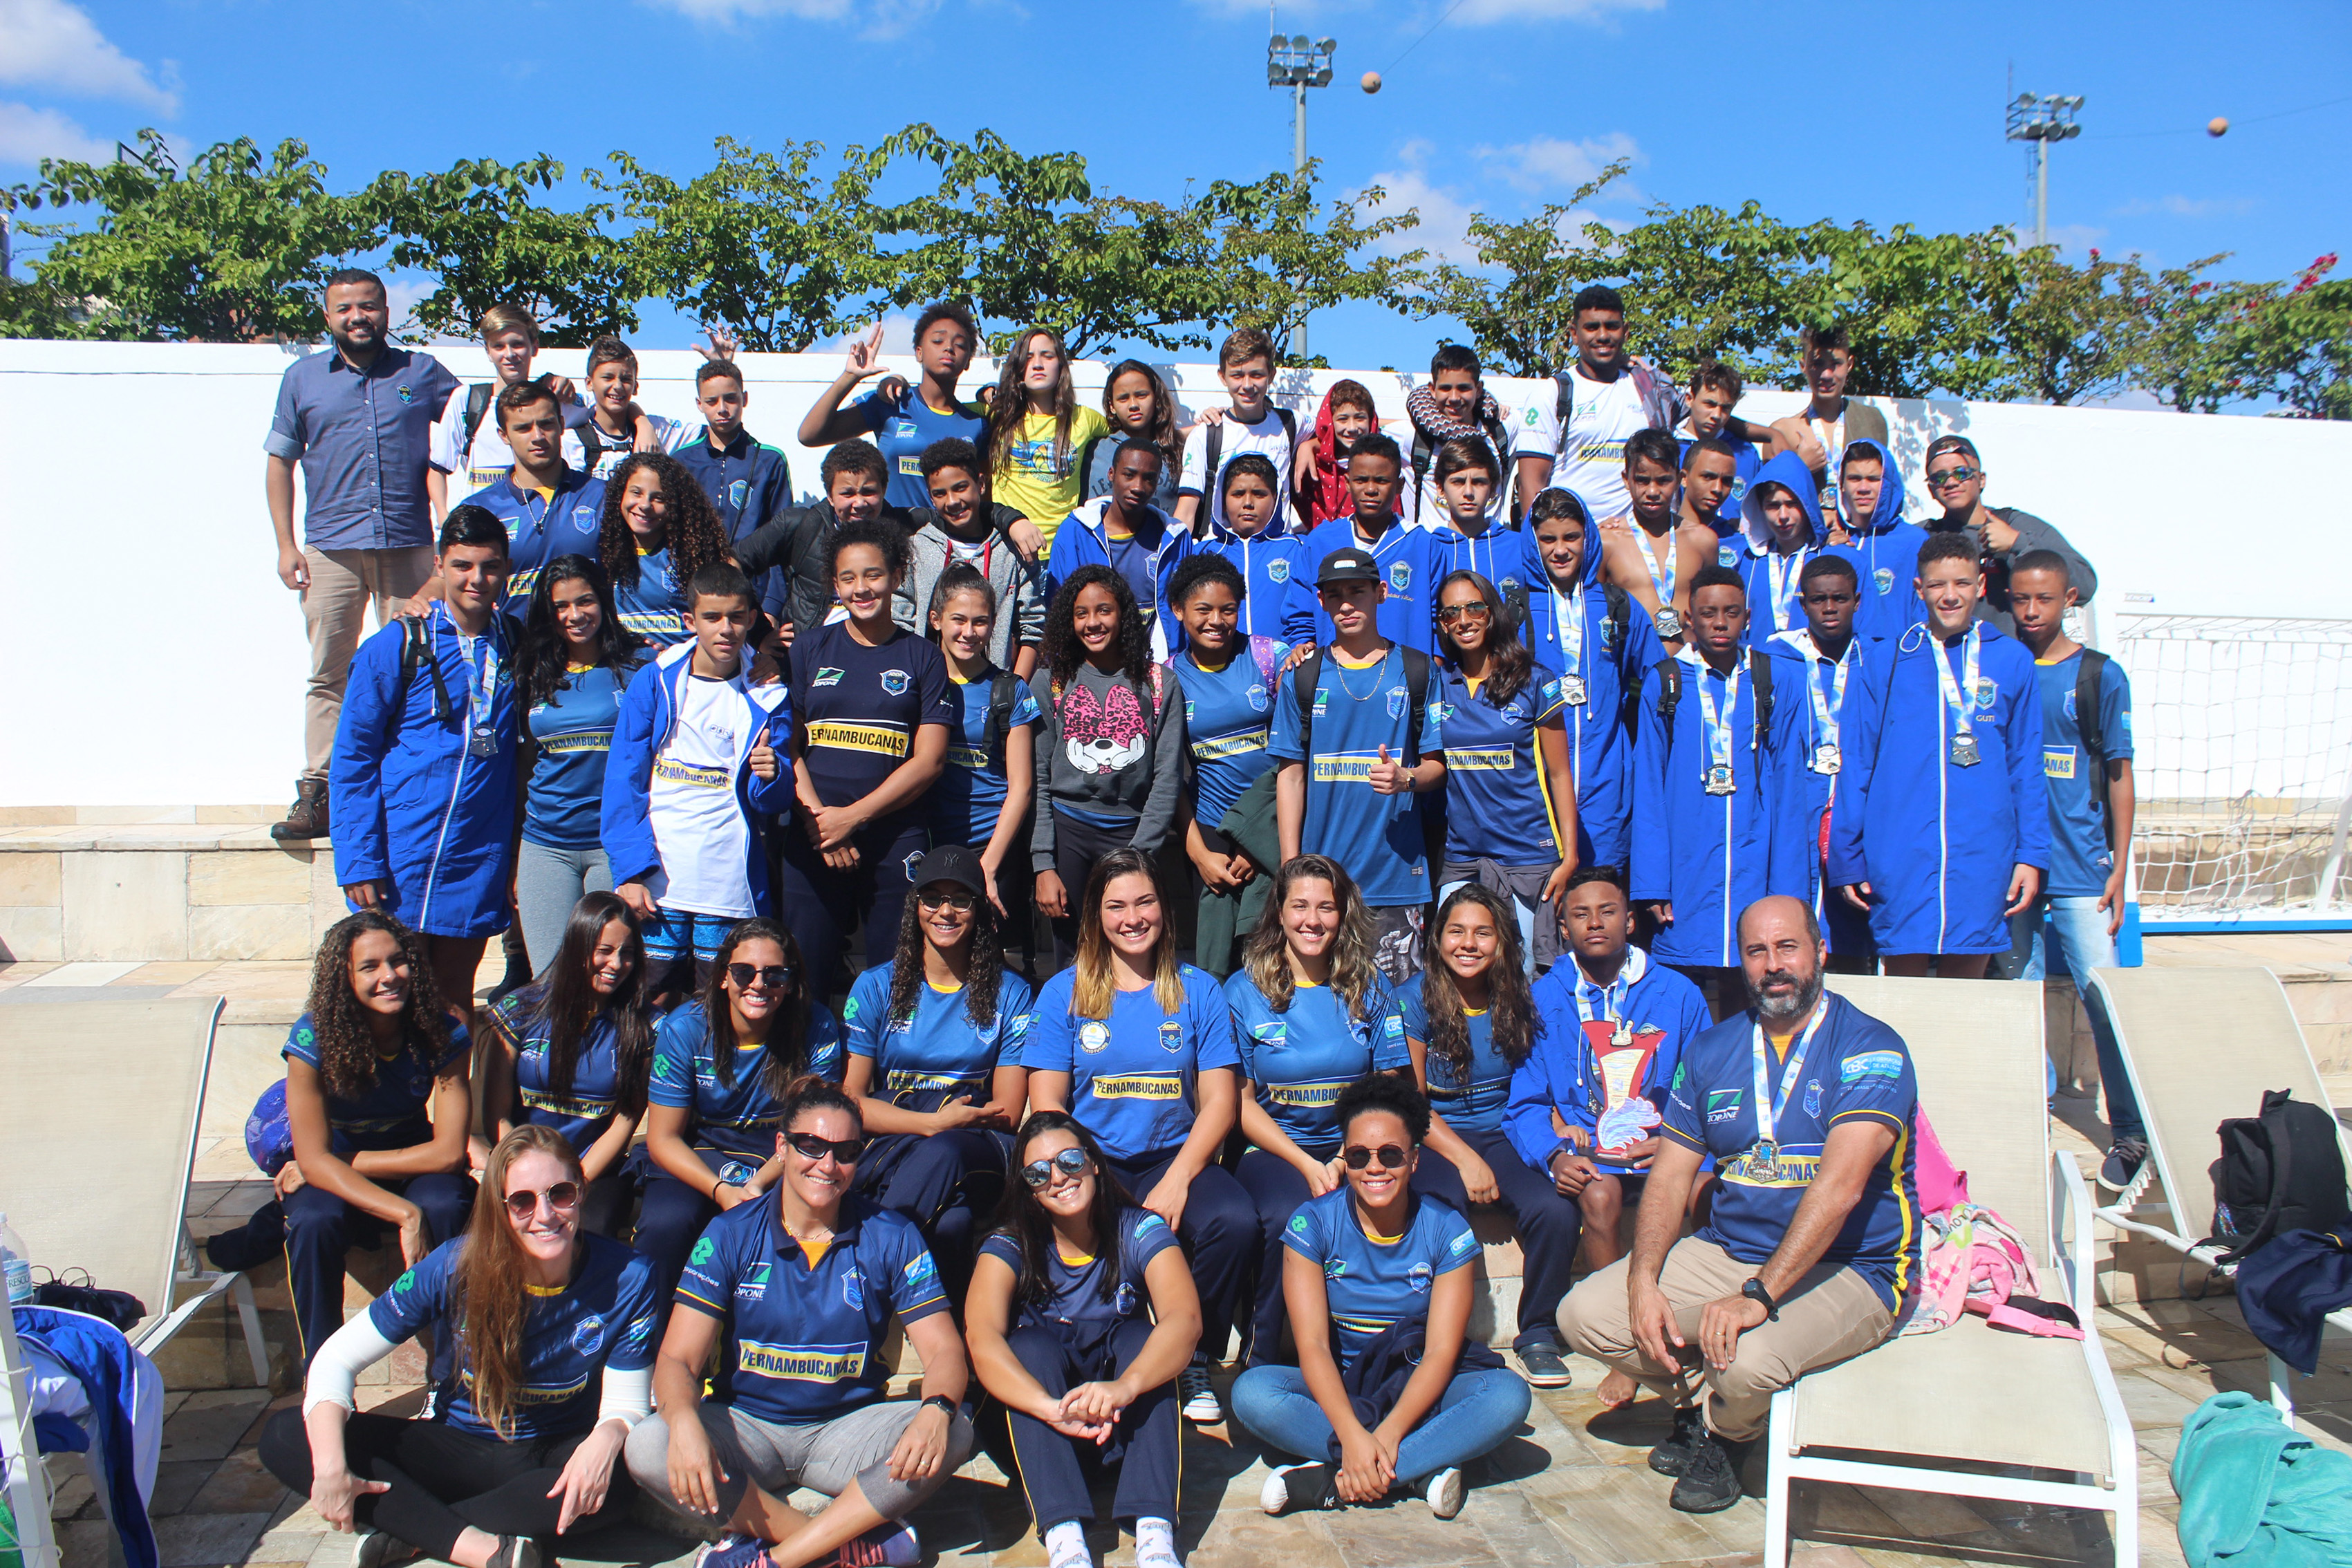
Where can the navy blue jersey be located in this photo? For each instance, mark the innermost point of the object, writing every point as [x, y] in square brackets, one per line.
[390, 1112]
[582, 1112]
[743, 1118]
[802, 1335]
[2082, 853]
[1471, 1101]
[1228, 720]
[1077, 1308]
[572, 730]
[604, 1317]
[1372, 1286]
[543, 524]
[938, 1055]
[1299, 1059]
[969, 797]
[1356, 712]
[859, 707]
[1498, 804]
[1412, 562]
[903, 427]
[1133, 1074]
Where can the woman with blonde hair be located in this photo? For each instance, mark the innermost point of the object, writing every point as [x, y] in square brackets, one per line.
[550, 1330]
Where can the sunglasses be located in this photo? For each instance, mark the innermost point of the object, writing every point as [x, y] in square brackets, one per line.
[1040, 1174]
[561, 1198]
[774, 976]
[962, 903]
[809, 1146]
[1477, 609]
[1389, 1156]
[1959, 476]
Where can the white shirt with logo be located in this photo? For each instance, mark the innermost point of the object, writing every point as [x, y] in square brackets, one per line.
[1590, 461]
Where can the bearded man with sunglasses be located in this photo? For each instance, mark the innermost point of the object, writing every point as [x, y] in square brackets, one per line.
[1955, 481]
[1806, 1105]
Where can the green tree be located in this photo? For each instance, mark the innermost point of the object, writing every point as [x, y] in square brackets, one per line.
[480, 233]
[1514, 303]
[231, 248]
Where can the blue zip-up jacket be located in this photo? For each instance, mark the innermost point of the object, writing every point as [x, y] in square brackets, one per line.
[1799, 795]
[1666, 1012]
[1083, 541]
[1759, 562]
[413, 807]
[1273, 563]
[95, 1354]
[1707, 854]
[1412, 562]
[1885, 551]
[649, 710]
[1614, 660]
[1936, 841]
[748, 482]
[540, 529]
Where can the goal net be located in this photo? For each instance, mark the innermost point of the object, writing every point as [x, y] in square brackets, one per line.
[2242, 735]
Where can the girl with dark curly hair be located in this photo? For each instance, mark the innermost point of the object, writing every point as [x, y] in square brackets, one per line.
[1111, 754]
[657, 531]
[374, 1050]
[934, 1039]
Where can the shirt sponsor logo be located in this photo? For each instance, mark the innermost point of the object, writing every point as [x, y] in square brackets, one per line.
[1094, 1034]
[894, 681]
[1322, 701]
[2058, 761]
[844, 735]
[1230, 745]
[1781, 1167]
[923, 1274]
[705, 1249]
[1274, 1034]
[1484, 759]
[911, 464]
[900, 1081]
[1305, 1096]
[1139, 1086]
[1333, 1267]
[571, 745]
[669, 770]
[1462, 1244]
[1722, 1104]
[801, 1363]
[1298, 1224]
[1147, 1224]
[1871, 1064]
[967, 757]
[826, 676]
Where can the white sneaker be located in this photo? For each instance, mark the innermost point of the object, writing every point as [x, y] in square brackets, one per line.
[1200, 1406]
[1297, 1486]
[1446, 1492]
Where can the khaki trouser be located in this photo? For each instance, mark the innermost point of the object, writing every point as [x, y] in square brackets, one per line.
[1832, 1315]
[343, 584]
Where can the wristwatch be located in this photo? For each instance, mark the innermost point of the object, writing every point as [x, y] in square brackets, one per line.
[943, 1402]
[1754, 1291]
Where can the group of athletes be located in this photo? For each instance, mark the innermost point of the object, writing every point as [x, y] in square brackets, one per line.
[1481, 766]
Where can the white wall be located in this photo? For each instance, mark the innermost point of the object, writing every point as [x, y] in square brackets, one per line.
[155, 660]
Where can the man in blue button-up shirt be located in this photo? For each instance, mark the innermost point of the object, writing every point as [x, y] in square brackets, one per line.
[359, 418]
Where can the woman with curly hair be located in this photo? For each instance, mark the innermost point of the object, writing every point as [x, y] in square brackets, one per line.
[657, 531]
[934, 1041]
[550, 1328]
[1312, 1014]
[1110, 755]
[371, 1053]
[574, 1050]
[1038, 431]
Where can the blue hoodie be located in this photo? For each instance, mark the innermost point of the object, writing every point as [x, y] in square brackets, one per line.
[1885, 555]
[1800, 793]
[1707, 854]
[1771, 577]
[1618, 650]
[1936, 841]
[1083, 539]
[1663, 1013]
[1280, 601]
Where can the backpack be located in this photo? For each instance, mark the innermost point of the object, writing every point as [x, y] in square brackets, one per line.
[414, 650]
[1759, 675]
[1215, 447]
[2280, 1171]
[1309, 675]
[477, 408]
[1002, 693]
[2087, 675]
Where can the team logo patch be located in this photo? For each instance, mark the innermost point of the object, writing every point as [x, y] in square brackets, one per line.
[826, 676]
[1396, 702]
[1171, 1034]
[1871, 1064]
[737, 491]
[735, 1173]
[852, 1287]
[1885, 578]
[405, 395]
[2070, 703]
[1814, 1098]
[1400, 577]
[588, 1335]
[1725, 555]
[704, 1251]
[1278, 571]
[1987, 690]
[1124, 1301]
[1257, 700]
[894, 681]
[1094, 1034]
[1419, 1276]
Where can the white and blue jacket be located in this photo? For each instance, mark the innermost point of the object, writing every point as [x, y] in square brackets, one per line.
[1280, 580]
[1083, 541]
[1759, 564]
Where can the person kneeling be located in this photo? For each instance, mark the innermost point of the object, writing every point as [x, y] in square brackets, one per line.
[1060, 1336]
[553, 1329]
[802, 1289]
[1806, 1104]
[1388, 1273]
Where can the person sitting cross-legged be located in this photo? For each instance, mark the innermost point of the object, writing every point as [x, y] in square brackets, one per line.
[1806, 1104]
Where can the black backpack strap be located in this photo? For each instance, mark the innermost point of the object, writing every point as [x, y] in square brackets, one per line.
[1002, 692]
[477, 407]
[1670, 696]
[1289, 425]
[2282, 1153]
[413, 653]
[1416, 687]
[1619, 608]
[591, 446]
[1304, 682]
[2088, 676]
[1759, 675]
[1563, 407]
[1212, 449]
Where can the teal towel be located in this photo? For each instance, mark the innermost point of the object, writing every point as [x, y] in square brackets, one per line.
[2256, 1494]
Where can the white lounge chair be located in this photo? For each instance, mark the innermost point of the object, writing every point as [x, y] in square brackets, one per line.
[2201, 1046]
[94, 1169]
[1970, 1410]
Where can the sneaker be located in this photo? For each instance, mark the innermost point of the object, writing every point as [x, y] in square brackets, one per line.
[887, 1545]
[1710, 1483]
[516, 1551]
[374, 1548]
[733, 1550]
[1446, 1492]
[1200, 1406]
[2125, 1157]
[1543, 1366]
[1673, 1457]
[1298, 1486]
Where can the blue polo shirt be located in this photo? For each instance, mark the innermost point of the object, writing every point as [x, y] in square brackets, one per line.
[1301, 1059]
[903, 427]
[969, 797]
[390, 1112]
[921, 1063]
[1372, 1286]
[1133, 1076]
[739, 1118]
[572, 730]
[1498, 802]
[1076, 1307]
[802, 1336]
[748, 482]
[541, 526]
[1471, 1101]
[1412, 561]
[2082, 857]
[1855, 1068]
[365, 439]
[1356, 711]
[604, 1317]
[1228, 720]
[582, 1110]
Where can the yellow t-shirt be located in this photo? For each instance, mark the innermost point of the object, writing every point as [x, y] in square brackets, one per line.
[1031, 483]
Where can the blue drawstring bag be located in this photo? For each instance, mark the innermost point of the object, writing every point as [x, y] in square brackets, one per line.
[268, 1135]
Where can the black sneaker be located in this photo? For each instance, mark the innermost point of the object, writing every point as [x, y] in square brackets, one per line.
[1298, 1487]
[1711, 1482]
[2125, 1157]
[1543, 1366]
[1673, 1457]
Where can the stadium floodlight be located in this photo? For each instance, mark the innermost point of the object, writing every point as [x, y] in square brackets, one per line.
[2039, 120]
[1298, 63]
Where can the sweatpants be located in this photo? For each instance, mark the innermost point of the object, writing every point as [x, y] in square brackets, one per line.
[442, 1479]
[320, 1227]
[1220, 1234]
[548, 882]
[1832, 1315]
[947, 1183]
[1549, 1224]
[820, 906]
[1277, 1188]
[826, 1456]
[1077, 844]
[1057, 1470]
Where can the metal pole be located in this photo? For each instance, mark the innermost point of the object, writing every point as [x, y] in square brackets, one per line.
[1298, 172]
[2042, 193]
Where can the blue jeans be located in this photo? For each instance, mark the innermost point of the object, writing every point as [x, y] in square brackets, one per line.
[1476, 1412]
[2080, 926]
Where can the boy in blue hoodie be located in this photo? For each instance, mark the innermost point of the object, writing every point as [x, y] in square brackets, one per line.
[1819, 668]
[698, 763]
[1869, 531]
[1254, 532]
[1941, 825]
[1780, 529]
[1411, 560]
[1124, 532]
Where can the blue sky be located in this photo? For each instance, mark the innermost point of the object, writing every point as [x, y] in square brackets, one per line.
[1886, 112]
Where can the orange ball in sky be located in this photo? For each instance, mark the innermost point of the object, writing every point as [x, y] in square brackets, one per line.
[2216, 126]
[1372, 81]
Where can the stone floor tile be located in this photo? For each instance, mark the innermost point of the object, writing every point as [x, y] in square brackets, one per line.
[1927, 1515]
[85, 1544]
[209, 1423]
[1516, 1532]
[1826, 1557]
[198, 1539]
[1403, 1533]
[1251, 1540]
[2149, 1402]
[1616, 1514]
[286, 1543]
[239, 1485]
[177, 1482]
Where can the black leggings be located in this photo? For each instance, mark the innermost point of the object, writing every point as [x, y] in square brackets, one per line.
[442, 1480]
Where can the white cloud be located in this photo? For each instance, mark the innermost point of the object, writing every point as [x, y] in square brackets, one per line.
[2187, 206]
[1547, 162]
[56, 46]
[27, 135]
[898, 337]
[1444, 227]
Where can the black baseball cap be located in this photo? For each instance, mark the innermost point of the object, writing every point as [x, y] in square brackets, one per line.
[949, 863]
[1347, 565]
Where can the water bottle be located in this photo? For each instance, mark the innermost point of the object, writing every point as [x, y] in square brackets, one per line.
[16, 1264]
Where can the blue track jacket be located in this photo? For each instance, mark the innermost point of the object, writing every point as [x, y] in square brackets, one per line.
[1885, 555]
[1757, 559]
[1274, 567]
[1666, 1013]
[1705, 853]
[1083, 541]
[1800, 796]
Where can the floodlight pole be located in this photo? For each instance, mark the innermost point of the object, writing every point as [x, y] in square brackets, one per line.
[2038, 121]
[1298, 64]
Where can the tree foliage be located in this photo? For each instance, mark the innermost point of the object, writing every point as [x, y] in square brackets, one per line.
[483, 235]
